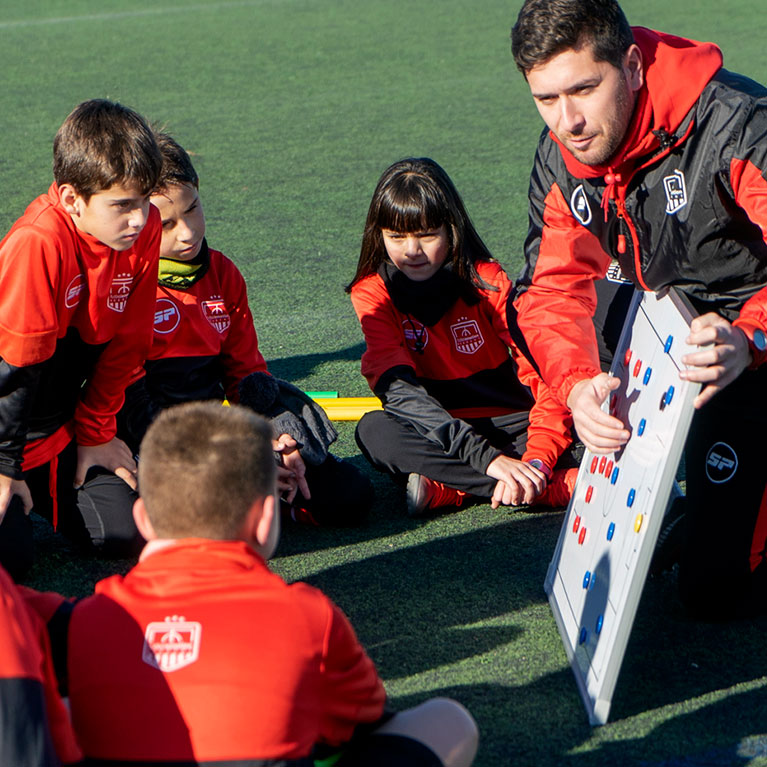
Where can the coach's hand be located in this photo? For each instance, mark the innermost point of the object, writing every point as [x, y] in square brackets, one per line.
[726, 357]
[114, 456]
[599, 431]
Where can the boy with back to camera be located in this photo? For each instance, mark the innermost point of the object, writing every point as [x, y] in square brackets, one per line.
[77, 280]
[200, 654]
[205, 347]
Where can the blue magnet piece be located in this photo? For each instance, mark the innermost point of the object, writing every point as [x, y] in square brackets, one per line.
[610, 531]
[586, 579]
[647, 375]
[642, 425]
[669, 395]
[614, 477]
[584, 636]
[630, 499]
[667, 345]
[600, 621]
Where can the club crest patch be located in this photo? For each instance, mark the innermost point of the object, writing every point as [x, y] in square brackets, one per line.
[579, 205]
[214, 311]
[416, 335]
[166, 316]
[614, 274]
[171, 644]
[119, 292]
[73, 291]
[467, 336]
[676, 192]
[721, 463]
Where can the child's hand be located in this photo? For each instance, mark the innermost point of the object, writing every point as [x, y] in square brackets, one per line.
[518, 481]
[114, 456]
[291, 475]
[10, 487]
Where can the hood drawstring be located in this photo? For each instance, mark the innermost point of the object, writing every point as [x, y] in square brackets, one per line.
[612, 179]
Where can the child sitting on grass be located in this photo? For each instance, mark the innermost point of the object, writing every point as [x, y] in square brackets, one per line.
[205, 348]
[201, 655]
[462, 416]
[77, 280]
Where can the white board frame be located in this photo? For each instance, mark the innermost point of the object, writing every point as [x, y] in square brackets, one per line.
[597, 659]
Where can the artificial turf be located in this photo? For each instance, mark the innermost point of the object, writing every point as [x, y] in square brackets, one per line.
[292, 108]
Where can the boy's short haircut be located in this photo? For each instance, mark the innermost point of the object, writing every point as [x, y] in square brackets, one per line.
[177, 167]
[546, 28]
[202, 467]
[103, 143]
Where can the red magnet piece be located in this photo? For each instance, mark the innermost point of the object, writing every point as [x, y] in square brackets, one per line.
[594, 462]
[627, 358]
[576, 523]
[637, 367]
[609, 468]
[582, 535]
[602, 462]
[589, 493]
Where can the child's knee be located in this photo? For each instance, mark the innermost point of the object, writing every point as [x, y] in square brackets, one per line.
[105, 504]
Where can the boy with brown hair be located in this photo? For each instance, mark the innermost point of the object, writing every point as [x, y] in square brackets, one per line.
[200, 654]
[205, 347]
[77, 279]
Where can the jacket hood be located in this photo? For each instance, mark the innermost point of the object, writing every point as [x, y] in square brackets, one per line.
[675, 72]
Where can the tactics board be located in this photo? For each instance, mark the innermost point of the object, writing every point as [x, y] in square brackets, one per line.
[596, 577]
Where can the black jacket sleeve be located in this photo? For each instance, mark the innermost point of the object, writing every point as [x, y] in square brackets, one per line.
[17, 389]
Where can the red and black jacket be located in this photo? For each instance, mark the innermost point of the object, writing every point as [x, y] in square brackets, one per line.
[204, 340]
[682, 204]
[204, 344]
[35, 729]
[200, 655]
[437, 355]
[75, 321]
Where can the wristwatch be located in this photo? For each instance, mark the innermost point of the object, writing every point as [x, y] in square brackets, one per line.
[757, 344]
[537, 463]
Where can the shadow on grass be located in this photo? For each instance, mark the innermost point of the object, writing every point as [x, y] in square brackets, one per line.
[474, 602]
[302, 366]
[542, 724]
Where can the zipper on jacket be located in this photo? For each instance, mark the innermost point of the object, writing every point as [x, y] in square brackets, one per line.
[621, 247]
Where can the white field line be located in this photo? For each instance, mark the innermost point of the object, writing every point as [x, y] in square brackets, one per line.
[128, 14]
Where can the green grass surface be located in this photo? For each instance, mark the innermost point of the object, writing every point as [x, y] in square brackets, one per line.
[292, 108]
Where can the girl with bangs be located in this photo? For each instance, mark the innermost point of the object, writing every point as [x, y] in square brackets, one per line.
[465, 416]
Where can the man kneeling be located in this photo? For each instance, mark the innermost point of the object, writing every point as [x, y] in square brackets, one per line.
[201, 655]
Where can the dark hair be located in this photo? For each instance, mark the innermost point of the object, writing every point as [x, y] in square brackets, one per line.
[102, 143]
[202, 467]
[177, 167]
[545, 28]
[416, 195]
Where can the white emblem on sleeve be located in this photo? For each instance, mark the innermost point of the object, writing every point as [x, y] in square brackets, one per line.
[579, 205]
[73, 291]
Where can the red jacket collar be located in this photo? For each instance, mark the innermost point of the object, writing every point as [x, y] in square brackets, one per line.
[675, 70]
